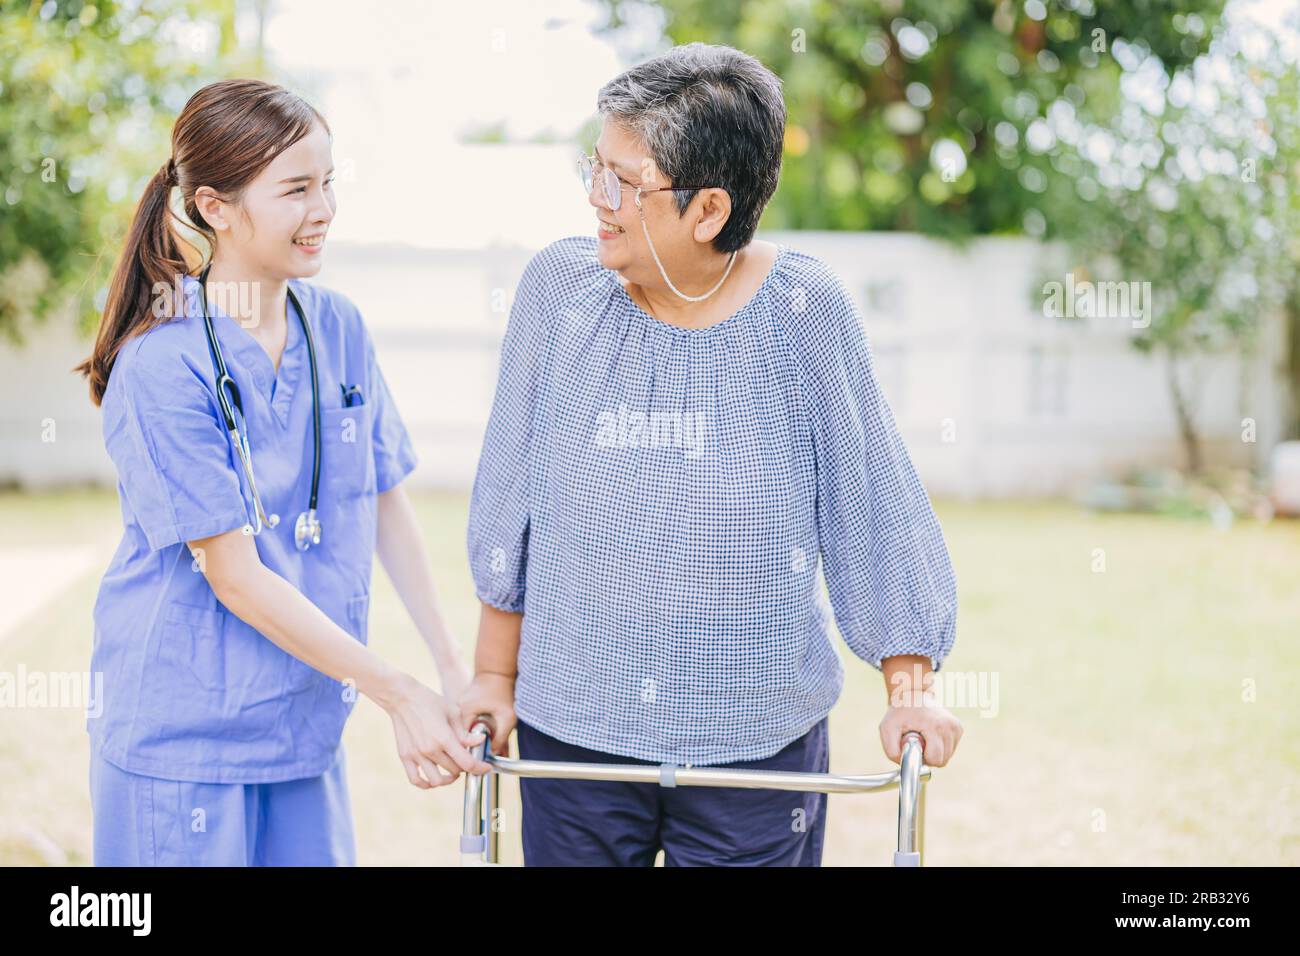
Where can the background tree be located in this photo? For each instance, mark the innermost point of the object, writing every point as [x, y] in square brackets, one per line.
[928, 115]
[1188, 189]
[88, 92]
[1112, 126]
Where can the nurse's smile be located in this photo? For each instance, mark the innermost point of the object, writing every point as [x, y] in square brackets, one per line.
[311, 245]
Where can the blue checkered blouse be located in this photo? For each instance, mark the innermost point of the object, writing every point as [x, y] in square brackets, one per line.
[655, 500]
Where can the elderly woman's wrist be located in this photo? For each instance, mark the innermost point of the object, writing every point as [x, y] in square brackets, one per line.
[913, 697]
[909, 680]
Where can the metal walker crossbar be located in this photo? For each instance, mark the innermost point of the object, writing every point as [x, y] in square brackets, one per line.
[478, 840]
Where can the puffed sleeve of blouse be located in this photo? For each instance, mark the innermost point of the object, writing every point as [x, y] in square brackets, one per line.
[886, 564]
[499, 501]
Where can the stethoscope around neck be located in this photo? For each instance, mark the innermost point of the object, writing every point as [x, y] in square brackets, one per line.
[307, 529]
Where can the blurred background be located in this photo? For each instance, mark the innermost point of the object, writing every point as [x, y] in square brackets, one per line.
[1071, 228]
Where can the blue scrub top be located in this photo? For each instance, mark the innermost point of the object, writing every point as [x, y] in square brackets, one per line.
[191, 692]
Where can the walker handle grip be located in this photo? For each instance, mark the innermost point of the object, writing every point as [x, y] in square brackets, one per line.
[481, 722]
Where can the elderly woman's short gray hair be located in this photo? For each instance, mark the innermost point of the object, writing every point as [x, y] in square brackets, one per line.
[708, 116]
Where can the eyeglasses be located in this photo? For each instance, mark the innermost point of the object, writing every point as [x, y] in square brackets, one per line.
[589, 167]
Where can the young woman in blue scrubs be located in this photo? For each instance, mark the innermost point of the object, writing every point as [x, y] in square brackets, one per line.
[230, 658]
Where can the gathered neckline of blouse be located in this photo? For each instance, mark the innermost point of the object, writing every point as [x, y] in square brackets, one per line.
[781, 251]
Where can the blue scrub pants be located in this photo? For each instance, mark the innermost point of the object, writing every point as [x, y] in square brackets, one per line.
[150, 821]
[609, 823]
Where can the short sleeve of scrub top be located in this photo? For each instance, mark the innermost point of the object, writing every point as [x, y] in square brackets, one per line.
[174, 459]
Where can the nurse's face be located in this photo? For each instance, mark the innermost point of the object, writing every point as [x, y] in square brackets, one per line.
[278, 225]
[627, 251]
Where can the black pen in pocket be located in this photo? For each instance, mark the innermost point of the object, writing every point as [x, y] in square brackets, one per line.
[350, 392]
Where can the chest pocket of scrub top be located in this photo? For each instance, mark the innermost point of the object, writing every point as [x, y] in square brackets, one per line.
[347, 452]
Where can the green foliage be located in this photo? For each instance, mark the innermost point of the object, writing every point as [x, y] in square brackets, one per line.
[88, 93]
[913, 114]
[1196, 200]
[1139, 132]
[1192, 194]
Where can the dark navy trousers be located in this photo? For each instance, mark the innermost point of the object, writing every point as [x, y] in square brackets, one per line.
[609, 823]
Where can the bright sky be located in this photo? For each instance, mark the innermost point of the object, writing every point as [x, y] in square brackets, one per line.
[403, 81]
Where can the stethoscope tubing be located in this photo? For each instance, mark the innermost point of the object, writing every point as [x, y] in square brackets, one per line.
[228, 399]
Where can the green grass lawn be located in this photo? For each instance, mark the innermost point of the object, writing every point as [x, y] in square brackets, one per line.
[1146, 714]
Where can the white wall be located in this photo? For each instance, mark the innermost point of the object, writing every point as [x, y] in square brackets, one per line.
[1036, 405]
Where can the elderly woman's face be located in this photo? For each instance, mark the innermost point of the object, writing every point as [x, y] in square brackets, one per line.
[626, 251]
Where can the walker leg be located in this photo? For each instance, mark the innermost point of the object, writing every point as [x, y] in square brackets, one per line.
[478, 835]
[911, 803]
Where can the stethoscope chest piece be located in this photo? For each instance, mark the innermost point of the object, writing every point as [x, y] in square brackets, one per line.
[306, 531]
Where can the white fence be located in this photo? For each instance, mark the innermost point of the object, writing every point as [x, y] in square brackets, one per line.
[994, 399]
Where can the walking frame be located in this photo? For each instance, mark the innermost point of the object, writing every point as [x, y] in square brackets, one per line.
[481, 827]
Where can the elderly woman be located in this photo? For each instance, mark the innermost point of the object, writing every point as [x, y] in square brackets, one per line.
[686, 419]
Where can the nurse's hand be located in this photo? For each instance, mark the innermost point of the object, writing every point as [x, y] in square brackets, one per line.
[456, 678]
[493, 695]
[426, 740]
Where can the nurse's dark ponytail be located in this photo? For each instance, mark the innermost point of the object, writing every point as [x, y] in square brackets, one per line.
[152, 254]
[226, 135]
